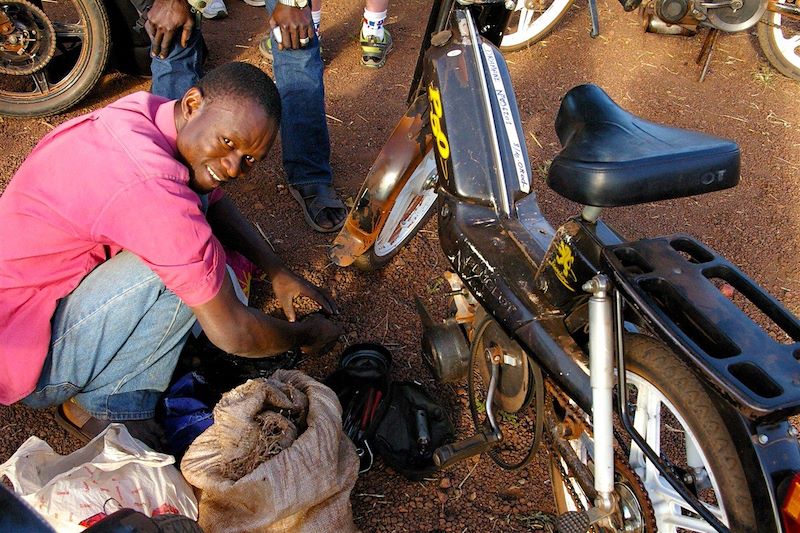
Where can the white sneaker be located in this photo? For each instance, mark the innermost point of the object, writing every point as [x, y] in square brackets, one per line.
[215, 9]
[256, 3]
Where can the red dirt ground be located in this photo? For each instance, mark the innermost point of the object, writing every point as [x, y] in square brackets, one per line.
[756, 225]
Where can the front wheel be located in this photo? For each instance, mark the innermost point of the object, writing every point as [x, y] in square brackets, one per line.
[51, 54]
[531, 21]
[677, 418]
[779, 37]
[412, 207]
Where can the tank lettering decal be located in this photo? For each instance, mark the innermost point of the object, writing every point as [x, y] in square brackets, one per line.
[442, 145]
[479, 276]
[518, 151]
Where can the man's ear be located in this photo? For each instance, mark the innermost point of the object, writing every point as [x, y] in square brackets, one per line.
[191, 102]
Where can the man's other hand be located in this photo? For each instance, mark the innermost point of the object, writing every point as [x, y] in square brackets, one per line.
[294, 23]
[324, 336]
[164, 20]
[287, 285]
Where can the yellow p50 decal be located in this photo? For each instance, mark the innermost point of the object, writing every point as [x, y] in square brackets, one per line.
[436, 122]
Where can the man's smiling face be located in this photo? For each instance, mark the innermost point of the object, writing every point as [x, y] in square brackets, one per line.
[221, 139]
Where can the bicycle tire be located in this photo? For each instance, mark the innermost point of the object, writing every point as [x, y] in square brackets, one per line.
[653, 366]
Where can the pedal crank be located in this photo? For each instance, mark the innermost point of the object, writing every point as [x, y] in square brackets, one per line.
[484, 440]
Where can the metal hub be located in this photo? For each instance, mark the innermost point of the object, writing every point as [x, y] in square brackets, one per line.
[27, 38]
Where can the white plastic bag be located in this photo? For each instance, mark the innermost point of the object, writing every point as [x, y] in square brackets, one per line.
[112, 472]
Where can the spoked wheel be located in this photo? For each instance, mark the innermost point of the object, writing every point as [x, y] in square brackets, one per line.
[779, 37]
[52, 52]
[673, 412]
[411, 209]
[531, 21]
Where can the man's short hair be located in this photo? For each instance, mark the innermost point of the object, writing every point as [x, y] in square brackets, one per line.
[242, 80]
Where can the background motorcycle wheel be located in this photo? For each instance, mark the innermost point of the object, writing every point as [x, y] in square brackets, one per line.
[778, 37]
[410, 210]
[82, 42]
[531, 21]
[656, 378]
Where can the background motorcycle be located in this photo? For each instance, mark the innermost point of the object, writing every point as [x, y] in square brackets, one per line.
[53, 53]
[699, 441]
[778, 24]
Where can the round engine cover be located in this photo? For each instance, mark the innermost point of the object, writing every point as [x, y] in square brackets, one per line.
[671, 11]
[738, 16]
[513, 383]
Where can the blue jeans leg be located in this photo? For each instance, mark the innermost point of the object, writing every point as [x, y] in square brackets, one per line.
[305, 144]
[181, 69]
[115, 342]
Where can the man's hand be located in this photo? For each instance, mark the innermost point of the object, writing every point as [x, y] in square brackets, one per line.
[164, 19]
[295, 24]
[325, 335]
[287, 285]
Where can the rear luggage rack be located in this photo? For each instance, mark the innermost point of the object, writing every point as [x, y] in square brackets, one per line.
[677, 283]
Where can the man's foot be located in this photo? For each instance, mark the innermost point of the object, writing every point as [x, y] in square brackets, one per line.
[84, 427]
[373, 51]
[265, 48]
[322, 208]
[215, 9]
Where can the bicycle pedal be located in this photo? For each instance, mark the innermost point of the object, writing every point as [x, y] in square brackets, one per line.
[573, 522]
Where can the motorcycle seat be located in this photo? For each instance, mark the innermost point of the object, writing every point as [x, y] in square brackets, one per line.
[611, 158]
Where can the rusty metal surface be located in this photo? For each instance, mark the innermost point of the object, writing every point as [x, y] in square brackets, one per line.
[402, 153]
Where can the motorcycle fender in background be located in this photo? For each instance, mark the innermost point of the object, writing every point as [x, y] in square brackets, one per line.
[403, 152]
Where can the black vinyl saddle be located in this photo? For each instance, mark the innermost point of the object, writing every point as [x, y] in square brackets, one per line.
[613, 158]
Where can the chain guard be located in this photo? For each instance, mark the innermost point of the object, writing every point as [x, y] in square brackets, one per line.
[29, 43]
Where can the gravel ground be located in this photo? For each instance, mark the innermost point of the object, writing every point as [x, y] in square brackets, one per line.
[756, 225]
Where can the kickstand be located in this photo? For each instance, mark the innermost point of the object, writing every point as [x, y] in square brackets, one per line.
[707, 51]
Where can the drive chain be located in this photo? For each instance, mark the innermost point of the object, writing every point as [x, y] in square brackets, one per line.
[621, 465]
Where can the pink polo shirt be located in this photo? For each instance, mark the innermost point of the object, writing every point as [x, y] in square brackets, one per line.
[96, 185]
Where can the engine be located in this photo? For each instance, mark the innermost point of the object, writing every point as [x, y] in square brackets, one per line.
[684, 16]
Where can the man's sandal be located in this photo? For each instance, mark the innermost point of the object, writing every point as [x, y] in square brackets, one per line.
[374, 52]
[84, 427]
[316, 198]
[78, 422]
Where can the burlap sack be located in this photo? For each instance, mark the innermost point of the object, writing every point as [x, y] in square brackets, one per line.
[305, 488]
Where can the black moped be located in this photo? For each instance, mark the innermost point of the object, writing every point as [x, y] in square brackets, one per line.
[663, 404]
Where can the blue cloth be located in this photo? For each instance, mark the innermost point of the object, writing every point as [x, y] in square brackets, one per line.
[181, 69]
[305, 144]
[115, 341]
[186, 415]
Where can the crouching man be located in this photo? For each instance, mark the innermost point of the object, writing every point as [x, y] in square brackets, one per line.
[112, 232]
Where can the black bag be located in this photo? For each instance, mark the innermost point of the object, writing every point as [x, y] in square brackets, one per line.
[397, 420]
[408, 428]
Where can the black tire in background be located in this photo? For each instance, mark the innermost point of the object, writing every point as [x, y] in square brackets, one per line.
[73, 71]
[775, 32]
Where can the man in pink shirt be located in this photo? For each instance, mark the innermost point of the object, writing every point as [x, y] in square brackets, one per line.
[112, 233]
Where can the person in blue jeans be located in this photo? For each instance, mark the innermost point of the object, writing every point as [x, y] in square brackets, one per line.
[305, 144]
[177, 46]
